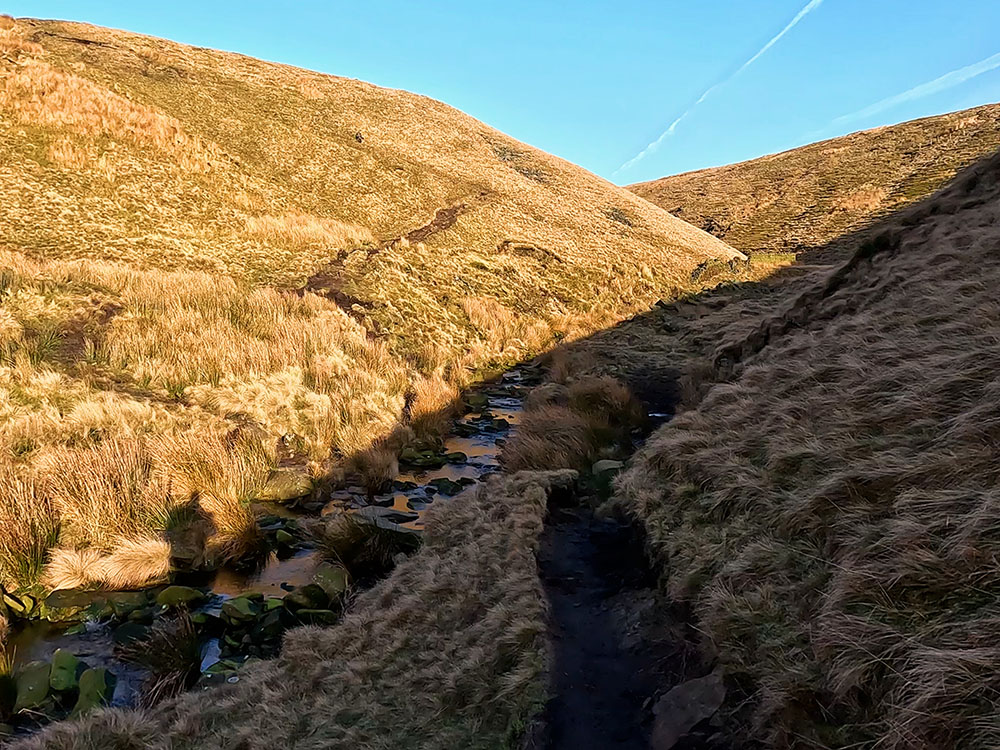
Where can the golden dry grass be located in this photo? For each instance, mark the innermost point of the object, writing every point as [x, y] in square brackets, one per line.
[467, 672]
[28, 529]
[195, 242]
[433, 405]
[565, 428]
[813, 195]
[829, 507]
[127, 394]
[301, 231]
[225, 163]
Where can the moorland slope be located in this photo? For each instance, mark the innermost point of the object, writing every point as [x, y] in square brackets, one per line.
[811, 196]
[213, 266]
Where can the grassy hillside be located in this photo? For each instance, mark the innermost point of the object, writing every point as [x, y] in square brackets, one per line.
[829, 508]
[810, 196]
[214, 267]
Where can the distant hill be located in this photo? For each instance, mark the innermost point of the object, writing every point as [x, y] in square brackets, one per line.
[809, 196]
[120, 146]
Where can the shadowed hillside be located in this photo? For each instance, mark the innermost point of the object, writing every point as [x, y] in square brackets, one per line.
[810, 196]
[829, 507]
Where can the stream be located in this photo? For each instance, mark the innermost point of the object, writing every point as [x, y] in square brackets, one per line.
[241, 614]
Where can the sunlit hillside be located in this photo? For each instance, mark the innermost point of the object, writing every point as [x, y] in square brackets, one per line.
[810, 196]
[214, 267]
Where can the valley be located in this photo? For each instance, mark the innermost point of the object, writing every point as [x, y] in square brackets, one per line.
[332, 417]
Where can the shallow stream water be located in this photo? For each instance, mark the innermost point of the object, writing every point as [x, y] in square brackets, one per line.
[478, 435]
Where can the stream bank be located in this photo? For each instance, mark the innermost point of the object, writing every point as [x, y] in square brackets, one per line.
[627, 671]
[239, 615]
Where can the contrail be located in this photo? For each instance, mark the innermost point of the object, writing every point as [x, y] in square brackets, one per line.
[942, 83]
[809, 8]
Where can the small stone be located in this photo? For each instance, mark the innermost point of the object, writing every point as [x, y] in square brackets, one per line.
[477, 401]
[65, 672]
[238, 610]
[21, 605]
[456, 457]
[684, 706]
[375, 513]
[67, 605]
[32, 685]
[604, 472]
[96, 688]
[607, 465]
[344, 497]
[283, 537]
[444, 486]
[269, 626]
[285, 485]
[124, 602]
[310, 596]
[177, 596]
[333, 579]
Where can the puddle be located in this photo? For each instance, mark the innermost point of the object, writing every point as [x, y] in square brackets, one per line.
[275, 578]
[38, 640]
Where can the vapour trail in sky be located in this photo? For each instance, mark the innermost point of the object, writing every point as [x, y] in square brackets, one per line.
[652, 147]
[941, 83]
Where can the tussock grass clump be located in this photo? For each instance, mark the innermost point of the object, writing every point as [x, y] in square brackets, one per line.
[302, 230]
[605, 399]
[547, 394]
[220, 477]
[367, 550]
[467, 672]
[28, 529]
[831, 511]
[433, 406]
[376, 466]
[131, 564]
[567, 427]
[172, 655]
[106, 493]
[551, 436]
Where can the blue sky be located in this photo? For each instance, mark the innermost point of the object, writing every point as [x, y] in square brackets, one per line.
[597, 82]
